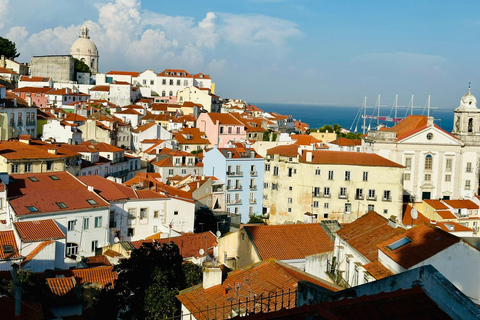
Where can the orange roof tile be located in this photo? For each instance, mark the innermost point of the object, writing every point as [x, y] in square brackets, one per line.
[285, 242]
[461, 204]
[426, 241]
[304, 139]
[36, 251]
[452, 226]
[407, 125]
[290, 150]
[173, 73]
[224, 118]
[349, 158]
[104, 88]
[377, 270]
[407, 218]
[53, 192]
[260, 279]
[36, 149]
[102, 146]
[34, 79]
[7, 238]
[347, 142]
[147, 179]
[63, 291]
[239, 152]
[190, 136]
[124, 73]
[436, 204]
[173, 192]
[366, 232]
[39, 230]
[446, 214]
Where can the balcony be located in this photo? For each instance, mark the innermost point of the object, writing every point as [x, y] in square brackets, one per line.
[253, 173]
[372, 198]
[234, 201]
[234, 173]
[335, 275]
[317, 194]
[254, 187]
[237, 187]
[327, 195]
[359, 197]
[253, 201]
[342, 196]
[387, 199]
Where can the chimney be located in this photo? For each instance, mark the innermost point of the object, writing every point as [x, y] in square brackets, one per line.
[212, 277]
[90, 188]
[2, 61]
[430, 121]
[52, 150]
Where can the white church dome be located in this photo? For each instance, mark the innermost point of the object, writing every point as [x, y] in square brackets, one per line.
[468, 101]
[83, 45]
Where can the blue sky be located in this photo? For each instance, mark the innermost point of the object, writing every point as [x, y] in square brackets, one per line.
[311, 51]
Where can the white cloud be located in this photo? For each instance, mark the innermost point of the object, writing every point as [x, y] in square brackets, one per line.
[3, 11]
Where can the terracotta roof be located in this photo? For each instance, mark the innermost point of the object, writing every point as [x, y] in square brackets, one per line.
[285, 242]
[74, 117]
[405, 127]
[426, 241]
[34, 79]
[446, 214]
[174, 71]
[53, 192]
[5, 70]
[260, 279]
[346, 142]
[7, 238]
[124, 73]
[105, 88]
[304, 139]
[36, 90]
[377, 270]
[224, 118]
[366, 232]
[188, 244]
[461, 204]
[36, 149]
[239, 152]
[103, 275]
[102, 146]
[349, 158]
[173, 192]
[201, 76]
[190, 136]
[407, 219]
[128, 111]
[289, 150]
[63, 291]
[112, 191]
[38, 230]
[98, 261]
[452, 226]
[436, 204]
[146, 179]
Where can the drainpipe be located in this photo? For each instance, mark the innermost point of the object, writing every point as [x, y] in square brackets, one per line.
[17, 291]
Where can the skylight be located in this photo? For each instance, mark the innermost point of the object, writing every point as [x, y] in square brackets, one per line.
[33, 179]
[399, 243]
[53, 177]
[61, 205]
[92, 202]
[32, 208]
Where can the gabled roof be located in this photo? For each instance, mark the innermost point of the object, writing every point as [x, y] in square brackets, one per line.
[173, 73]
[146, 179]
[35, 149]
[173, 192]
[407, 219]
[436, 204]
[346, 142]
[103, 275]
[304, 139]
[190, 136]
[39, 230]
[63, 292]
[129, 111]
[461, 204]
[405, 127]
[143, 127]
[124, 73]
[104, 88]
[102, 146]
[285, 242]
[425, 242]
[54, 192]
[34, 79]
[7, 238]
[366, 232]
[36, 90]
[224, 118]
[260, 279]
[377, 270]
[289, 150]
[452, 226]
[36, 251]
[189, 244]
[112, 191]
[239, 152]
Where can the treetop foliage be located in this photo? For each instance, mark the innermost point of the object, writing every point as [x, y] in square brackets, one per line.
[8, 48]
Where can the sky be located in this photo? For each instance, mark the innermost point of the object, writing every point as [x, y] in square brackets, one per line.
[278, 51]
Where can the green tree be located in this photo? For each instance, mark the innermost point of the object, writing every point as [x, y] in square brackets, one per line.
[8, 48]
[266, 136]
[193, 274]
[79, 66]
[255, 219]
[146, 286]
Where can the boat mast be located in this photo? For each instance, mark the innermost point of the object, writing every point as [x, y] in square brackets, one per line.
[364, 114]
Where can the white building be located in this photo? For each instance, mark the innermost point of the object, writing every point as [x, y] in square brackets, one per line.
[85, 50]
[61, 131]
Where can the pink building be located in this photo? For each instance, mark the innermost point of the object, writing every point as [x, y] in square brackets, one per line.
[221, 128]
[34, 96]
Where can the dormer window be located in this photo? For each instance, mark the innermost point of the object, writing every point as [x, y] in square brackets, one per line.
[32, 209]
[399, 243]
[92, 202]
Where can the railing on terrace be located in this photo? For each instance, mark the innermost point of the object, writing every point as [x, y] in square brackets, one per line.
[333, 273]
[243, 306]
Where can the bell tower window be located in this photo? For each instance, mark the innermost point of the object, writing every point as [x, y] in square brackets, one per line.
[470, 125]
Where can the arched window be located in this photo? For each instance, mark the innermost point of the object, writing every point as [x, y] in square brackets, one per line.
[163, 93]
[428, 162]
[171, 93]
[470, 125]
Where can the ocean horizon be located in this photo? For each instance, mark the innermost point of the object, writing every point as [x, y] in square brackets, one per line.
[316, 115]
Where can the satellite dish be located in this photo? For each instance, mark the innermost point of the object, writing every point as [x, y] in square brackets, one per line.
[78, 259]
[219, 234]
[116, 240]
[414, 214]
[201, 251]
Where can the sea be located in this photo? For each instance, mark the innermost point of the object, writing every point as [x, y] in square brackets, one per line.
[319, 115]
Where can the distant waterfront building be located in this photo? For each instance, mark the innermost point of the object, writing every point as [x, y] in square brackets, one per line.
[85, 50]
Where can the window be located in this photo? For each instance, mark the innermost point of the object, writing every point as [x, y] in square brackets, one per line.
[365, 175]
[448, 177]
[386, 195]
[143, 213]
[175, 213]
[170, 172]
[53, 177]
[49, 165]
[62, 205]
[94, 245]
[71, 225]
[171, 82]
[86, 223]
[343, 192]
[32, 209]
[267, 167]
[274, 186]
[325, 216]
[275, 171]
[385, 211]
[265, 185]
[359, 194]
[130, 232]
[28, 167]
[371, 194]
[325, 205]
[155, 214]
[347, 175]
[290, 200]
[406, 176]
[429, 136]
[131, 214]
[348, 207]
[326, 192]
[317, 172]
[289, 210]
[72, 249]
[448, 165]
[229, 130]
[98, 222]
[14, 168]
[371, 207]
[316, 192]
[330, 175]
[428, 162]
[290, 188]
[428, 177]
[408, 163]
[399, 243]
[290, 172]
[33, 179]
[469, 167]
[467, 184]
[315, 204]
[92, 202]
